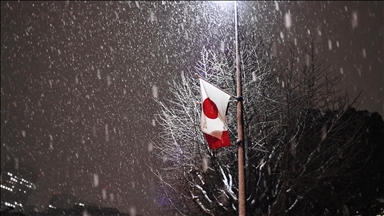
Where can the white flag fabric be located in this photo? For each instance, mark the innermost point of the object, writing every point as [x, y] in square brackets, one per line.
[213, 120]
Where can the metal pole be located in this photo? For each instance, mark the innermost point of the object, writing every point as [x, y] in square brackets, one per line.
[240, 130]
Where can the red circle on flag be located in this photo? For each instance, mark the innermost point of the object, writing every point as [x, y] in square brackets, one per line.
[210, 109]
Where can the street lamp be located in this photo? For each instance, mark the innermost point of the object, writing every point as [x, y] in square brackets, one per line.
[240, 123]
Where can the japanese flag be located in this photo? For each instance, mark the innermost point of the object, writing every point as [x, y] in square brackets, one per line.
[213, 120]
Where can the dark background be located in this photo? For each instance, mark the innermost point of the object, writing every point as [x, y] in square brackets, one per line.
[78, 80]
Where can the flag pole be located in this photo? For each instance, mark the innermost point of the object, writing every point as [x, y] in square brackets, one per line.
[240, 123]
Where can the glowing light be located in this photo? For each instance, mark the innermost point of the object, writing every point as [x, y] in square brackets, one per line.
[6, 188]
[9, 204]
[224, 4]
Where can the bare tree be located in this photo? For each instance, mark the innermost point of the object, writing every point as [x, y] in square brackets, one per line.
[301, 136]
[192, 171]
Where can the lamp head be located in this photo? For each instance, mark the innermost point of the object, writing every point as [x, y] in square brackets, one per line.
[224, 4]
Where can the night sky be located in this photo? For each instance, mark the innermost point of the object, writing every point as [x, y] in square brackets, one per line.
[78, 80]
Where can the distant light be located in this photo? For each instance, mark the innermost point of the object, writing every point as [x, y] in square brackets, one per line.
[9, 204]
[18, 204]
[7, 188]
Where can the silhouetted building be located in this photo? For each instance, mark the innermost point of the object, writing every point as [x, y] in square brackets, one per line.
[17, 183]
[86, 210]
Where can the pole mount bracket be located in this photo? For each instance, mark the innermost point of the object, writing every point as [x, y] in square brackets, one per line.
[239, 142]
